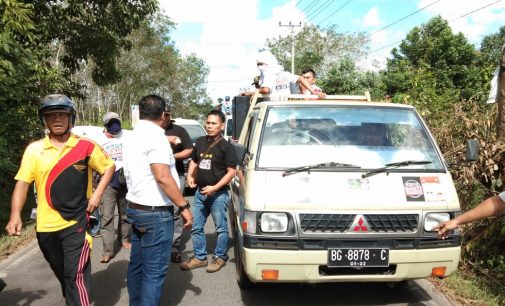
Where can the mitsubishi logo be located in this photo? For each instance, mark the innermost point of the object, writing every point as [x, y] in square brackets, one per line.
[360, 224]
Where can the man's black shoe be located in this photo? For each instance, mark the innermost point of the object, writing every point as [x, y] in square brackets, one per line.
[176, 258]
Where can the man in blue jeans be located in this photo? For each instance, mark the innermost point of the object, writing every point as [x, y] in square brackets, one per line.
[153, 191]
[212, 167]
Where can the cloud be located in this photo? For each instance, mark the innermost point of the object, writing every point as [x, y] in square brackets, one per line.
[231, 35]
[474, 25]
[371, 18]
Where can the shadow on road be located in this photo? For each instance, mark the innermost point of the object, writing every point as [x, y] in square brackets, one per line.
[108, 283]
[408, 293]
[22, 298]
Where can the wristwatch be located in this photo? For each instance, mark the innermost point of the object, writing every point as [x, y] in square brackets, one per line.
[182, 208]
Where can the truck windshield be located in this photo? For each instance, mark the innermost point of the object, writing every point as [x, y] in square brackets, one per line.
[367, 136]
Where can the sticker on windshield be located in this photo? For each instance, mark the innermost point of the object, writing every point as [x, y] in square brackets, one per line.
[413, 189]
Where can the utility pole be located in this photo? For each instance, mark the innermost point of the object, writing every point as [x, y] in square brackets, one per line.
[500, 98]
[292, 26]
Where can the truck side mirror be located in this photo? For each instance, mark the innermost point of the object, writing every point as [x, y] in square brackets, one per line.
[240, 151]
[472, 149]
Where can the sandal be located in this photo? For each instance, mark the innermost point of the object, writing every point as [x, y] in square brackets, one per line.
[105, 259]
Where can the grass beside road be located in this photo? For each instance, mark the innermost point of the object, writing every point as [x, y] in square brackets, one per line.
[10, 244]
[470, 289]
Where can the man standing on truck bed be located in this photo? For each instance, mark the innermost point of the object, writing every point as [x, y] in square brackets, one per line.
[275, 81]
[211, 168]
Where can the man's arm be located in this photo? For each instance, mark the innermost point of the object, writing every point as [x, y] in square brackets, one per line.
[163, 177]
[17, 202]
[230, 173]
[183, 154]
[190, 178]
[306, 84]
[489, 207]
[94, 200]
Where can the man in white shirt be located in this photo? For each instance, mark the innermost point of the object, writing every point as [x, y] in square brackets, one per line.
[153, 192]
[275, 81]
[115, 193]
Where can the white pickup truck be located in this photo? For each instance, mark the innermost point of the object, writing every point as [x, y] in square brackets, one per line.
[340, 190]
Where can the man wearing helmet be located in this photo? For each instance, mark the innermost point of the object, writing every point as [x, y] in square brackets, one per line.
[61, 166]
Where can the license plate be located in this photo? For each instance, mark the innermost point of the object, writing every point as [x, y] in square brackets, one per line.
[358, 258]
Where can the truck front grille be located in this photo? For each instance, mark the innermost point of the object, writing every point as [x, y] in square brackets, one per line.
[393, 223]
[325, 223]
[377, 223]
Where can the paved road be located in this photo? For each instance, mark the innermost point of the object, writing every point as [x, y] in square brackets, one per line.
[31, 282]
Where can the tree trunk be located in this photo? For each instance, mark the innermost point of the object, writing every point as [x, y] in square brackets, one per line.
[500, 98]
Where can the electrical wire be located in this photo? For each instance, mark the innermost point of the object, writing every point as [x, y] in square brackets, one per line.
[319, 10]
[310, 6]
[343, 5]
[401, 19]
[464, 15]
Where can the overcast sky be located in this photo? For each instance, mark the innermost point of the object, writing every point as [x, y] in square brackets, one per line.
[226, 34]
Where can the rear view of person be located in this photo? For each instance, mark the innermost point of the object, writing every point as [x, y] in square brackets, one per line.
[61, 165]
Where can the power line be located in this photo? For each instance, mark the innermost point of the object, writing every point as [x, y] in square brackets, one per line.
[480, 8]
[310, 6]
[341, 7]
[464, 15]
[391, 24]
[319, 10]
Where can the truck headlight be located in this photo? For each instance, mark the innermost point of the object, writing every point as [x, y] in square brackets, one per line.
[274, 222]
[433, 219]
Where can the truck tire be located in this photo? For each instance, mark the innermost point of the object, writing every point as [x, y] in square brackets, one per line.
[242, 280]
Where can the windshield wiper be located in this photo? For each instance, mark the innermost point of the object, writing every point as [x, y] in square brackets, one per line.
[395, 165]
[316, 166]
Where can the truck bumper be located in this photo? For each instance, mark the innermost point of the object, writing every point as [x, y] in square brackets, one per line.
[311, 266]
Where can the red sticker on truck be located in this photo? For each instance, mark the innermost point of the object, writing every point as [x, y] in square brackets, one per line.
[413, 189]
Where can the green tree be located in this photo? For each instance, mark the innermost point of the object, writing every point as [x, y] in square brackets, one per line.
[152, 65]
[447, 59]
[490, 48]
[346, 78]
[41, 44]
[318, 48]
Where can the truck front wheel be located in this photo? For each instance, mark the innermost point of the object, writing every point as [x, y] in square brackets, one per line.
[242, 280]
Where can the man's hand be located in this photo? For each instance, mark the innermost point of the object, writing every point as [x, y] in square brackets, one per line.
[187, 217]
[321, 95]
[191, 181]
[93, 203]
[14, 226]
[174, 140]
[208, 190]
[446, 227]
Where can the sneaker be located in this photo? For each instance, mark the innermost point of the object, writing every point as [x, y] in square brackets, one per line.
[216, 264]
[193, 263]
[176, 258]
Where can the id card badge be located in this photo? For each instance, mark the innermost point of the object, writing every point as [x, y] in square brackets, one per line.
[33, 215]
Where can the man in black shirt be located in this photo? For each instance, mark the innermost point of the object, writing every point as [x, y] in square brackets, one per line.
[212, 167]
[182, 147]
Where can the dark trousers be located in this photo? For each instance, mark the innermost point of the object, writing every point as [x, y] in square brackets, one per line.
[67, 252]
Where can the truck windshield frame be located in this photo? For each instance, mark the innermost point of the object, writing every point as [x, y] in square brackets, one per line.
[368, 136]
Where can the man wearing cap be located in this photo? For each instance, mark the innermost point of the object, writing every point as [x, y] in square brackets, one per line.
[115, 193]
[182, 147]
[61, 166]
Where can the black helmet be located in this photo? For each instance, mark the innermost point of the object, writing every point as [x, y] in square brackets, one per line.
[57, 101]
